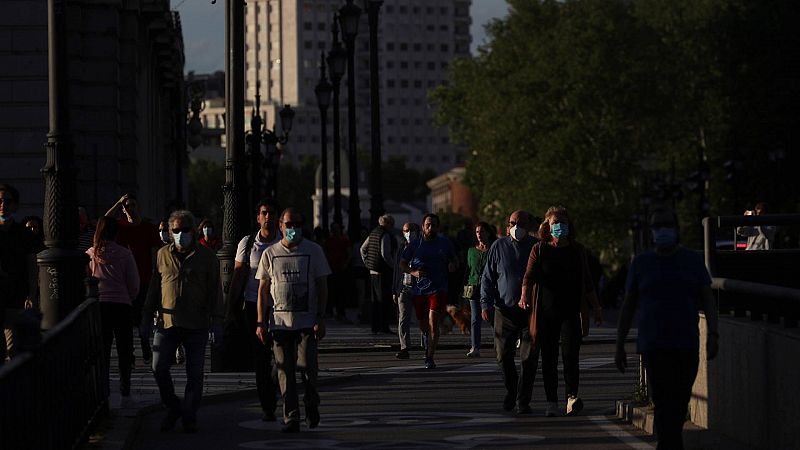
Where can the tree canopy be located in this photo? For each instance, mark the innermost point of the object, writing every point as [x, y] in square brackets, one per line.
[596, 104]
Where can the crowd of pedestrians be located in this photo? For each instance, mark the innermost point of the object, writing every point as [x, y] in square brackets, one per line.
[534, 285]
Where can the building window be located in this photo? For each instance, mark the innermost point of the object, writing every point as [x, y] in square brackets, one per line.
[404, 64]
[431, 47]
[429, 10]
[404, 121]
[444, 27]
[404, 140]
[431, 65]
[430, 27]
[389, 83]
[390, 46]
[403, 46]
[321, 26]
[390, 64]
[403, 9]
[390, 101]
[417, 47]
[417, 84]
[308, 45]
[390, 121]
[308, 26]
[431, 83]
[415, 10]
[389, 9]
[444, 48]
[417, 158]
[403, 83]
[445, 158]
[321, 45]
[443, 10]
[390, 139]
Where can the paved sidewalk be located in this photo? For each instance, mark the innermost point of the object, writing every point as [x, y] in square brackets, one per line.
[125, 414]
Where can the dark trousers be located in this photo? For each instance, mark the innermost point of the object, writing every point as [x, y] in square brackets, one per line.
[165, 343]
[116, 319]
[670, 375]
[262, 359]
[381, 301]
[337, 293]
[136, 318]
[296, 350]
[552, 328]
[509, 325]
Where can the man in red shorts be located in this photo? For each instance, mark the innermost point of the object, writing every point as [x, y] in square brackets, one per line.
[428, 259]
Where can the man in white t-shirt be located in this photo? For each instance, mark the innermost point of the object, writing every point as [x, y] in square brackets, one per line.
[292, 294]
[245, 282]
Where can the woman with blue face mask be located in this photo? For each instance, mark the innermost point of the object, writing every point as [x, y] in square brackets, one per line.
[558, 287]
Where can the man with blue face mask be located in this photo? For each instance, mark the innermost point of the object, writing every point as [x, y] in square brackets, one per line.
[292, 294]
[669, 285]
[185, 289]
[402, 294]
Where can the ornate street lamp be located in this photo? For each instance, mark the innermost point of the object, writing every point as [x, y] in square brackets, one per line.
[337, 60]
[376, 190]
[272, 154]
[323, 92]
[235, 217]
[61, 266]
[350, 15]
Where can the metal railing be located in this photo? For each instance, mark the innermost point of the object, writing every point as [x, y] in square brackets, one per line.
[758, 284]
[50, 397]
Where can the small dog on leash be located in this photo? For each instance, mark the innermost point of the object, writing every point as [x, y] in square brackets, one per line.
[462, 318]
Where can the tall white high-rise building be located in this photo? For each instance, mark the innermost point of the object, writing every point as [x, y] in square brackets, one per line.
[417, 40]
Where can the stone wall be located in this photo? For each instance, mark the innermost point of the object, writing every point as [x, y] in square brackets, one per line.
[750, 392]
[126, 101]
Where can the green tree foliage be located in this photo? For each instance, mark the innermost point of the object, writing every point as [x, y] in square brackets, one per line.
[402, 183]
[591, 103]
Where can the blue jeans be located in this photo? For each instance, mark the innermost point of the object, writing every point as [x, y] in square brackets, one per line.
[165, 343]
[475, 335]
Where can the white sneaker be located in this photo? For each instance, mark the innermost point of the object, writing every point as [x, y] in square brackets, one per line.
[474, 353]
[551, 410]
[574, 405]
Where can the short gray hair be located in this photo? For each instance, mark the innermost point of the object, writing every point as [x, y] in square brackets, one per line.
[386, 219]
[181, 214]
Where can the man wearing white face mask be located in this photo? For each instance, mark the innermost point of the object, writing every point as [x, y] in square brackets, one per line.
[402, 294]
[186, 290]
[501, 285]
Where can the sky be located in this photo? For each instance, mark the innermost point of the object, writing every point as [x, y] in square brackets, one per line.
[204, 40]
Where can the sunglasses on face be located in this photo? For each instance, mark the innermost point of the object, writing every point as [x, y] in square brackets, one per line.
[293, 224]
[181, 230]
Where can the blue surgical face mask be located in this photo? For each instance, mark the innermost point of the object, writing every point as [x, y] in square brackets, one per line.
[293, 235]
[6, 217]
[182, 239]
[559, 230]
[665, 236]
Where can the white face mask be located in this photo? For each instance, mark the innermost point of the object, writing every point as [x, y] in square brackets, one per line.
[182, 240]
[518, 233]
[410, 235]
[208, 232]
[164, 236]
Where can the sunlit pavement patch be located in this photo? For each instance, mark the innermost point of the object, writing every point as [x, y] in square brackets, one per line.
[293, 444]
[495, 439]
[440, 420]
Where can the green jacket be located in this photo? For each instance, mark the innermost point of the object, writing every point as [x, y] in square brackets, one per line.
[187, 293]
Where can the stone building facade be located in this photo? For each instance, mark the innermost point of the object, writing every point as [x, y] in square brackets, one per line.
[417, 40]
[127, 102]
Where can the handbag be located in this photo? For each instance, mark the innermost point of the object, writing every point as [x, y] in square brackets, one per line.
[468, 292]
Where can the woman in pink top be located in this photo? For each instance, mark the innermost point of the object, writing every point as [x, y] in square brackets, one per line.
[115, 267]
